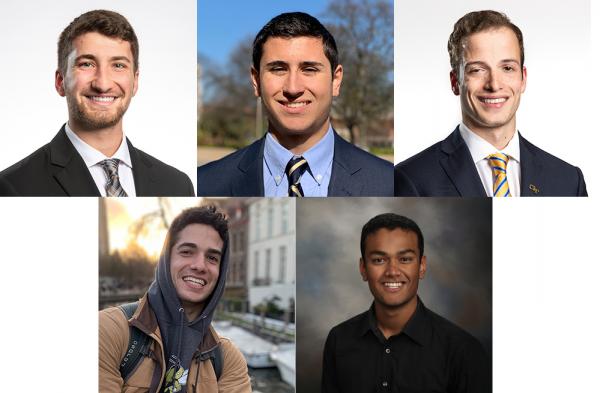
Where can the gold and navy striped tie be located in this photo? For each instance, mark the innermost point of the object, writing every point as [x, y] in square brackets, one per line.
[113, 185]
[294, 170]
[498, 162]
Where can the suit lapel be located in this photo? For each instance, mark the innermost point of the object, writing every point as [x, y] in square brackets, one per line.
[459, 166]
[250, 170]
[342, 169]
[69, 169]
[143, 176]
[531, 170]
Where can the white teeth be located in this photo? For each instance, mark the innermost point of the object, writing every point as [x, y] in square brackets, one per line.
[102, 99]
[295, 104]
[198, 281]
[393, 284]
[494, 100]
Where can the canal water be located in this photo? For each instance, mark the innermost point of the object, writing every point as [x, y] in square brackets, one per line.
[268, 380]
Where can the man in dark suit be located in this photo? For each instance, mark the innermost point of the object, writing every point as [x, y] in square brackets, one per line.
[90, 156]
[485, 155]
[296, 73]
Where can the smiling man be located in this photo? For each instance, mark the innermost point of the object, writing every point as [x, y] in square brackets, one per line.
[97, 73]
[165, 341]
[399, 345]
[485, 155]
[295, 72]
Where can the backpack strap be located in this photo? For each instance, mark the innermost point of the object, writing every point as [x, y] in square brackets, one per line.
[217, 361]
[139, 343]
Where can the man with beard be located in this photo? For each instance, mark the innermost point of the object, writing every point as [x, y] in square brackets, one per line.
[184, 353]
[90, 156]
[399, 345]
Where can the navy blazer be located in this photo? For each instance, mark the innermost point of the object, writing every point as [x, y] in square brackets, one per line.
[57, 169]
[447, 169]
[354, 172]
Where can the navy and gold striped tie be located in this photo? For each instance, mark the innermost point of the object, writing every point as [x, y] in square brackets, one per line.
[294, 170]
[113, 185]
[498, 162]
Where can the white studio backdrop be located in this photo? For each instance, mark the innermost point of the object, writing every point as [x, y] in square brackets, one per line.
[49, 293]
[545, 289]
[161, 119]
[556, 111]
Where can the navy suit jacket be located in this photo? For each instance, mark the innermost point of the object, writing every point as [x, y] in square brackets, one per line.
[447, 169]
[354, 172]
[57, 169]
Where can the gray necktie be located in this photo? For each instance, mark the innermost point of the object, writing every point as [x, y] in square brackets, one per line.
[113, 185]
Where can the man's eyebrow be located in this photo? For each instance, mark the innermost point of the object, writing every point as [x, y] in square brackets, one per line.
[312, 64]
[407, 251]
[510, 61]
[214, 251]
[401, 252]
[281, 63]
[484, 64]
[122, 58]
[85, 56]
[276, 63]
[187, 244]
[92, 57]
[472, 63]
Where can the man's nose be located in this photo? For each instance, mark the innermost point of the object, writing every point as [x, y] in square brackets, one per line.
[198, 263]
[102, 81]
[393, 267]
[293, 86]
[493, 81]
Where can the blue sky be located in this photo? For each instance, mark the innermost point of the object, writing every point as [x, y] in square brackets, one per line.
[223, 24]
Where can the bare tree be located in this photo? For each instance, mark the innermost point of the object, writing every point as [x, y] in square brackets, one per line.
[364, 32]
[229, 110]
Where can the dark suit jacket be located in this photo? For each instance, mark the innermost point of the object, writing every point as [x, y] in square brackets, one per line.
[447, 169]
[56, 169]
[354, 172]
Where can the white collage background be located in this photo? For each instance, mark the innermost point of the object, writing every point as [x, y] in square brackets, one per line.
[546, 263]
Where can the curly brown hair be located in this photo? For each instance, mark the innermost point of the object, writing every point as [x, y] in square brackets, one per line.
[108, 23]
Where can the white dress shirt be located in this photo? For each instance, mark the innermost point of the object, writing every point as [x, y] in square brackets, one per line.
[480, 149]
[93, 157]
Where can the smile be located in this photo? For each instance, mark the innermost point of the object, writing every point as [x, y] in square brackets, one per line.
[295, 104]
[393, 284]
[194, 280]
[102, 99]
[493, 100]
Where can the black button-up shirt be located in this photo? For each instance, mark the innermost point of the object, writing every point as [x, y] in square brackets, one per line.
[430, 355]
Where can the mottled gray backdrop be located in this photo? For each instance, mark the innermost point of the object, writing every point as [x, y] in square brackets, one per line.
[329, 290]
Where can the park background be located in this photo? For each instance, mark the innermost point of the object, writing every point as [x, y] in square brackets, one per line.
[230, 117]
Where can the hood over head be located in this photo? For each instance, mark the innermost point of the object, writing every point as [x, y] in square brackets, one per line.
[181, 338]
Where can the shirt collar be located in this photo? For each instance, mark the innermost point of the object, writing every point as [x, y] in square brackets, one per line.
[418, 328]
[318, 157]
[92, 156]
[480, 149]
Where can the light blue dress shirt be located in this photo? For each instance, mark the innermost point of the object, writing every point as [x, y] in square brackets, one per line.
[314, 181]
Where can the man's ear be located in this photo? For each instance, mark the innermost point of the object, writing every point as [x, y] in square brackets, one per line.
[59, 83]
[422, 267]
[254, 75]
[454, 83]
[338, 75]
[363, 269]
[135, 82]
[524, 83]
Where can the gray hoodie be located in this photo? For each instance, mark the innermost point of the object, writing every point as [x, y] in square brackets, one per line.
[181, 338]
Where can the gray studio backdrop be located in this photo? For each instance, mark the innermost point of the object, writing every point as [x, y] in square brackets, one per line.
[457, 285]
